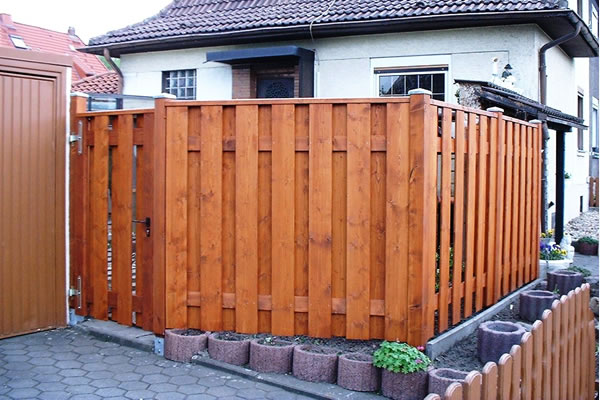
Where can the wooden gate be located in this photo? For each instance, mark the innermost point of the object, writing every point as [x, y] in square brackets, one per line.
[32, 191]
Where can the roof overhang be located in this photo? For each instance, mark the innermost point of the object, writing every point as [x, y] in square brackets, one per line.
[248, 56]
[555, 23]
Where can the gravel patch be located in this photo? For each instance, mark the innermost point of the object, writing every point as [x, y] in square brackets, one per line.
[584, 225]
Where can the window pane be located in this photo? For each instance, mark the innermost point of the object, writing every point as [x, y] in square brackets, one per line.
[438, 83]
[190, 81]
[425, 81]
[439, 96]
[385, 85]
[181, 93]
[190, 93]
[411, 82]
[399, 86]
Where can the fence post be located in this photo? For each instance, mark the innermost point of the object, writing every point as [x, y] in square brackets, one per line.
[158, 212]
[422, 216]
[78, 193]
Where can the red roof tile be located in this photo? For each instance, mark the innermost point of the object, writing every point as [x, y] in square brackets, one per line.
[40, 39]
[107, 82]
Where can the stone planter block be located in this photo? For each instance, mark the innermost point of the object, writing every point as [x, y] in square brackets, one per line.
[180, 346]
[441, 378]
[532, 304]
[564, 281]
[552, 265]
[230, 351]
[271, 358]
[357, 372]
[495, 338]
[315, 367]
[400, 386]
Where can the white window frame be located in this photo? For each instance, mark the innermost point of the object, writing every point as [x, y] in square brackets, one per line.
[411, 62]
[594, 22]
[18, 42]
[594, 127]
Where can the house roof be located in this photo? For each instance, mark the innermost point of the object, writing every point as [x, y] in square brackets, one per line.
[192, 23]
[46, 40]
[108, 83]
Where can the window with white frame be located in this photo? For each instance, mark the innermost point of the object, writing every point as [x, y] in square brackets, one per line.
[181, 83]
[399, 81]
[594, 130]
[594, 22]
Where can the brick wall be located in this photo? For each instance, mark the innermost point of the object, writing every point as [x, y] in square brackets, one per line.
[245, 77]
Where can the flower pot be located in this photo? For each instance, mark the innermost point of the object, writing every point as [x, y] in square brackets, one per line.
[547, 241]
[441, 378]
[229, 347]
[399, 386]
[182, 344]
[495, 338]
[315, 364]
[588, 249]
[564, 281]
[533, 303]
[275, 356]
[357, 372]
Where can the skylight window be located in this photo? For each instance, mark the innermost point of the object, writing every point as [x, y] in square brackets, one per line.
[18, 42]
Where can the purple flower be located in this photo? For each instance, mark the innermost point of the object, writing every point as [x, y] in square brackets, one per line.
[418, 361]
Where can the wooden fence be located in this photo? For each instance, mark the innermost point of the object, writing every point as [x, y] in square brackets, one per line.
[363, 218]
[555, 361]
[594, 191]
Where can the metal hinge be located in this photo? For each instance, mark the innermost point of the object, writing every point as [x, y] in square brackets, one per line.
[146, 221]
[78, 137]
[76, 292]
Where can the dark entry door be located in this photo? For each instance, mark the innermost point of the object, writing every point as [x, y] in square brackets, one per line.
[275, 88]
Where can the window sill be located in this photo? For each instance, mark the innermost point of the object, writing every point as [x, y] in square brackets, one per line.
[581, 153]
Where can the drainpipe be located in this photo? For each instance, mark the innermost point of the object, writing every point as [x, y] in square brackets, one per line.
[546, 136]
[114, 66]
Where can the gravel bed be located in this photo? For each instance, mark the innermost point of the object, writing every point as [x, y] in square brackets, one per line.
[584, 225]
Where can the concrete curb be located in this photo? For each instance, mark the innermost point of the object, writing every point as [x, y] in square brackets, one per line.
[321, 391]
[446, 340]
[113, 332]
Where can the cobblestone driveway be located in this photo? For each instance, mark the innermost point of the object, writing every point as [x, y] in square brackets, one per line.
[65, 364]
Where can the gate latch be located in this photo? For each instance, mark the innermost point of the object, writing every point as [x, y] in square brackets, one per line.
[146, 221]
[78, 137]
[76, 292]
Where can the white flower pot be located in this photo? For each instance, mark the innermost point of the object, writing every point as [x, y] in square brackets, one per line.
[551, 265]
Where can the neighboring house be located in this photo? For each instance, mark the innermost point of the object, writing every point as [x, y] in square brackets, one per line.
[223, 49]
[594, 124]
[33, 38]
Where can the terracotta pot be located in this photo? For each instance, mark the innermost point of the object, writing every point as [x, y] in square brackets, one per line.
[441, 378]
[230, 351]
[400, 386]
[315, 364]
[182, 344]
[588, 249]
[357, 372]
[275, 357]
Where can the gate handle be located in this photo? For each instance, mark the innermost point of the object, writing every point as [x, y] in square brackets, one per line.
[146, 221]
[78, 137]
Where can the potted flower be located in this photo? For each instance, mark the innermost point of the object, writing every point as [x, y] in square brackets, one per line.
[588, 246]
[552, 257]
[547, 237]
[405, 370]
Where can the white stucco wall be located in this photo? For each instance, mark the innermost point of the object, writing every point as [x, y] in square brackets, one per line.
[344, 68]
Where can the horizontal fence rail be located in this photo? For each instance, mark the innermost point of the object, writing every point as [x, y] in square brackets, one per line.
[554, 361]
[362, 218]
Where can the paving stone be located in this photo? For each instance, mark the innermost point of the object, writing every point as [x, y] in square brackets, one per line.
[133, 385]
[240, 384]
[42, 361]
[22, 383]
[116, 359]
[10, 352]
[49, 378]
[280, 395]
[27, 393]
[139, 394]
[221, 391]
[128, 376]
[45, 369]
[51, 386]
[110, 392]
[183, 380]
[17, 358]
[252, 394]
[95, 366]
[148, 369]
[80, 389]
[100, 374]
[65, 356]
[68, 364]
[155, 378]
[85, 397]
[170, 396]
[104, 383]
[192, 389]
[201, 397]
[76, 380]
[72, 372]
[62, 395]
[20, 374]
[162, 387]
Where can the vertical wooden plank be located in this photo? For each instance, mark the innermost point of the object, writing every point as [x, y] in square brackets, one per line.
[526, 366]
[505, 377]
[194, 275]
[99, 218]
[578, 338]
[489, 388]
[471, 216]
[481, 212]
[283, 219]
[515, 384]
[508, 212]
[176, 217]
[538, 352]
[528, 204]
[211, 217]
[320, 202]
[591, 333]
[228, 214]
[454, 392]
[459, 221]
[473, 382]
[143, 243]
[122, 164]
[548, 321]
[446, 186]
[571, 346]
[396, 222]
[564, 341]
[556, 354]
[522, 205]
[535, 219]
[516, 210]
[422, 219]
[246, 223]
[499, 206]
[491, 210]
[358, 222]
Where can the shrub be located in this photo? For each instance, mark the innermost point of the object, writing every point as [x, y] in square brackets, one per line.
[400, 357]
[582, 271]
[552, 252]
[588, 240]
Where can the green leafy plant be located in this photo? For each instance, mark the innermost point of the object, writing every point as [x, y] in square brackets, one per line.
[450, 269]
[400, 358]
[588, 240]
[567, 175]
[582, 271]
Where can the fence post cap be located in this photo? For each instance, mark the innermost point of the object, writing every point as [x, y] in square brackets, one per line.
[535, 121]
[419, 91]
[495, 109]
[79, 94]
[165, 96]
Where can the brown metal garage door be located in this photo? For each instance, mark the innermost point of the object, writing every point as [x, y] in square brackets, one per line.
[32, 185]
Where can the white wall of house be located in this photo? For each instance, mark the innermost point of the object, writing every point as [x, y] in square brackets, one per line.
[344, 67]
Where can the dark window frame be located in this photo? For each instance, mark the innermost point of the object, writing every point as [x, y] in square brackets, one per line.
[417, 72]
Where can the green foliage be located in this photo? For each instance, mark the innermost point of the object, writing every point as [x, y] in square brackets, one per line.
[588, 240]
[450, 269]
[582, 271]
[400, 358]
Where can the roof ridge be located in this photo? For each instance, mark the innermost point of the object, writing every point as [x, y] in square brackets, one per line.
[50, 30]
[88, 78]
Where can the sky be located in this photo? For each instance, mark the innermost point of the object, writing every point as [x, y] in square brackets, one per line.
[90, 18]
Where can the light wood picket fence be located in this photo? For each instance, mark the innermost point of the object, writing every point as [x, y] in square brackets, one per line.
[555, 361]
